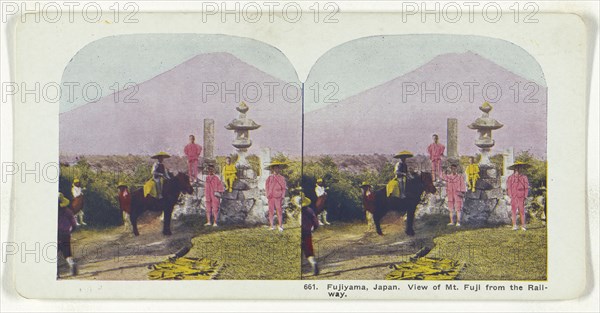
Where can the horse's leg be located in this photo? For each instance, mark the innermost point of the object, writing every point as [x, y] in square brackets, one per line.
[167, 220]
[133, 218]
[410, 219]
[377, 220]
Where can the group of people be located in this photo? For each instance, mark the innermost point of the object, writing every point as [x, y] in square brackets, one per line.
[457, 184]
[214, 187]
[276, 186]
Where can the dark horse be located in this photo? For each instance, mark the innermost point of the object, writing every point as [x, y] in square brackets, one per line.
[415, 187]
[172, 188]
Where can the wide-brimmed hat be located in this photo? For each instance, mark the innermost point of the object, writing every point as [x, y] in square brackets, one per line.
[63, 202]
[209, 166]
[305, 200]
[161, 154]
[276, 163]
[296, 189]
[519, 164]
[365, 184]
[404, 154]
[121, 184]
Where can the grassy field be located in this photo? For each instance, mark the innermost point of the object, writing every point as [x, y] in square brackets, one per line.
[251, 253]
[497, 253]
[346, 251]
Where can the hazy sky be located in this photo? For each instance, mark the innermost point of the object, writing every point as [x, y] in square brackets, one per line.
[355, 66]
[371, 61]
[117, 60]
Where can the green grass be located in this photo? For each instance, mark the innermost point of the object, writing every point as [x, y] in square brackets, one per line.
[497, 253]
[251, 253]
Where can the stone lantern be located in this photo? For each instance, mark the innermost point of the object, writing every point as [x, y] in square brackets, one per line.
[242, 126]
[484, 126]
[485, 205]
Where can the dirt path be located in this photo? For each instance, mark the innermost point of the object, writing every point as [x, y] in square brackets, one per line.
[348, 251]
[115, 254]
[343, 250]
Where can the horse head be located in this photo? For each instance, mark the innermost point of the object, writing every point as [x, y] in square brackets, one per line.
[183, 182]
[428, 182]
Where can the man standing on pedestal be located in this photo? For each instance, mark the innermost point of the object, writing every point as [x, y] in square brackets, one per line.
[192, 151]
[436, 151]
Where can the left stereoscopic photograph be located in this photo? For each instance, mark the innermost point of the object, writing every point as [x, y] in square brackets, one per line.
[179, 161]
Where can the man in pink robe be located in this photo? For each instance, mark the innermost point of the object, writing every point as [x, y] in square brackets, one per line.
[192, 150]
[213, 187]
[455, 191]
[275, 187]
[517, 188]
[436, 151]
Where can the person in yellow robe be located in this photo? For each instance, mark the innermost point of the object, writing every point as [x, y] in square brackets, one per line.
[472, 172]
[229, 174]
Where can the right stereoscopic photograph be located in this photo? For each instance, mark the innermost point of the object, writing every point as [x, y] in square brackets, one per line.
[427, 161]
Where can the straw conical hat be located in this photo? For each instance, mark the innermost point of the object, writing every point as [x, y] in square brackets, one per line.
[161, 154]
[276, 163]
[404, 153]
[518, 164]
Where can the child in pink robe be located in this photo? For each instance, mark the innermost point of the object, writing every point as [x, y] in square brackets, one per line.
[213, 187]
[517, 188]
[275, 187]
[455, 191]
[192, 151]
[436, 151]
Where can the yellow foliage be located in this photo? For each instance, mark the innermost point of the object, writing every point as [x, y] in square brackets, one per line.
[184, 269]
[425, 269]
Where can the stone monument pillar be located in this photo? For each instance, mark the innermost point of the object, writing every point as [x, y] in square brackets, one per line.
[265, 158]
[209, 139]
[508, 158]
[452, 138]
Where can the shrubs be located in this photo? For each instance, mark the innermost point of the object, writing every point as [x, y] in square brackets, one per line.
[536, 173]
[344, 197]
[101, 207]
